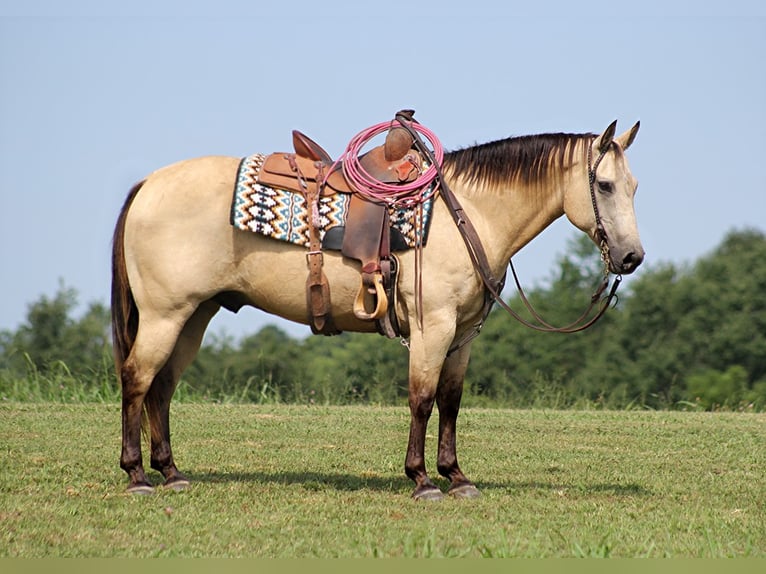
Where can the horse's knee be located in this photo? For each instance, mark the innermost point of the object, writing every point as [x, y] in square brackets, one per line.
[421, 408]
[421, 398]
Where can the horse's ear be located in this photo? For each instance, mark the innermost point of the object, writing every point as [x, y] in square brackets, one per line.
[627, 138]
[398, 143]
[603, 141]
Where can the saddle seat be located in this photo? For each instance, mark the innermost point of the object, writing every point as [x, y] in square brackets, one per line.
[303, 170]
[311, 171]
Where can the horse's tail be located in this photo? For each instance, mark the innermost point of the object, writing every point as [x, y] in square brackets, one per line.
[124, 310]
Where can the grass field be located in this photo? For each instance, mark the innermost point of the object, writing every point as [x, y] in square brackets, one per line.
[281, 481]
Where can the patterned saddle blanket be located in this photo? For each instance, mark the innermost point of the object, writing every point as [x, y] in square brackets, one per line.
[283, 215]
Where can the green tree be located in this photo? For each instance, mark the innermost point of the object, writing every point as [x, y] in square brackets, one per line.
[356, 367]
[676, 332]
[265, 366]
[51, 336]
[685, 324]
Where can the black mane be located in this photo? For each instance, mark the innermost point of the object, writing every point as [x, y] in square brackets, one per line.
[525, 158]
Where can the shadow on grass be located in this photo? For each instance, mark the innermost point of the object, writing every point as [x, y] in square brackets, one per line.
[603, 489]
[318, 481]
[310, 480]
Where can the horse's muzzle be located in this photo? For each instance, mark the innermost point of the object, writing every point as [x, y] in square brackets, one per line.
[629, 262]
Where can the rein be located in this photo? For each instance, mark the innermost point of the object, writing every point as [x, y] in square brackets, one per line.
[478, 256]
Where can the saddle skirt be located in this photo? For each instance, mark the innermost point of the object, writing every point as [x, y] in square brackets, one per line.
[283, 214]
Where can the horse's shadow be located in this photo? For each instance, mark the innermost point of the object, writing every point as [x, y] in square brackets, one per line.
[318, 481]
[309, 480]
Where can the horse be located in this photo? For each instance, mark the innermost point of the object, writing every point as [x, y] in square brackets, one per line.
[177, 261]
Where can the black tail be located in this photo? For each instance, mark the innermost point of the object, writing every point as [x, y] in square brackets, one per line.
[124, 310]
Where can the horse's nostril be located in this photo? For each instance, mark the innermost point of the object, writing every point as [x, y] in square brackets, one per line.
[631, 261]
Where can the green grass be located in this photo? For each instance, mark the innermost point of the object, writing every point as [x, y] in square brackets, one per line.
[289, 481]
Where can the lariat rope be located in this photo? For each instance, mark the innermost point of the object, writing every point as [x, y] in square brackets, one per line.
[398, 195]
[393, 194]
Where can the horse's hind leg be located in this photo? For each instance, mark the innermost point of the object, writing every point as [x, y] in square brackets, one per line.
[155, 340]
[448, 396]
[157, 403]
[160, 393]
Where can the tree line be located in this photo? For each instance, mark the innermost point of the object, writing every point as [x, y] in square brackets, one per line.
[689, 336]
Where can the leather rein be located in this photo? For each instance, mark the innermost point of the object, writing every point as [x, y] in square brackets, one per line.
[494, 286]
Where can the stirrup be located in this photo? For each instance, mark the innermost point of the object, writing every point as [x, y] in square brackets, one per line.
[377, 299]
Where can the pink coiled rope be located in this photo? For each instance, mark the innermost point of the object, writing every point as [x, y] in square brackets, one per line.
[399, 195]
[396, 194]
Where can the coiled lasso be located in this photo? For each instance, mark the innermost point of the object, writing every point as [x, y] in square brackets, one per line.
[393, 194]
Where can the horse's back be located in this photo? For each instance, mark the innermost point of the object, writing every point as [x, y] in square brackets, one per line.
[180, 190]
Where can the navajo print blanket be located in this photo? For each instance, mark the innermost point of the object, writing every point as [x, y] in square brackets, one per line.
[283, 215]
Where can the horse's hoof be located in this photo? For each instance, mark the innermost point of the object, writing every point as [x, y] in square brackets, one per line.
[142, 489]
[464, 491]
[177, 484]
[428, 493]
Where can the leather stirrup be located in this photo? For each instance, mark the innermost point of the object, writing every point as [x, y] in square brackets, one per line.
[371, 294]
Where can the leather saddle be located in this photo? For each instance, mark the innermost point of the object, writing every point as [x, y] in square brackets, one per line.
[311, 171]
[303, 170]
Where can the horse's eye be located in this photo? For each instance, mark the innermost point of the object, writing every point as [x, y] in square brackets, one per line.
[605, 187]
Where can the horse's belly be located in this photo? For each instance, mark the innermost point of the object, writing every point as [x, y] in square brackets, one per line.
[273, 277]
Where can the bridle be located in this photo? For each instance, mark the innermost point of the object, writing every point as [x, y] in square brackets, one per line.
[494, 286]
[581, 323]
[600, 231]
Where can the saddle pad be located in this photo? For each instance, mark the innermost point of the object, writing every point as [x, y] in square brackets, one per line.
[283, 215]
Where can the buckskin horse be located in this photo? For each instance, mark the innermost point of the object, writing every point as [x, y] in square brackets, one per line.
[177, 261]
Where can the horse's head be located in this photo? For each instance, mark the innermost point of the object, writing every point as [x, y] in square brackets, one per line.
[602, 204]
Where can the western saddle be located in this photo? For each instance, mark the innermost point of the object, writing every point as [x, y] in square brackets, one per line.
[311, 171]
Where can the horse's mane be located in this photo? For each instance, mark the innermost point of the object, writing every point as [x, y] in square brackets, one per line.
[528, 159]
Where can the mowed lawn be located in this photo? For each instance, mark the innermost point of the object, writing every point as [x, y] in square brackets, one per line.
[290, 481]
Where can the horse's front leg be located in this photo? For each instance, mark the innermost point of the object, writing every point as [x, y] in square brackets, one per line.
[421, 404]
[448, 396]
[426, 360]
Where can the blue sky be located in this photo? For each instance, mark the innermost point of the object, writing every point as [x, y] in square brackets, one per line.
[96, 95]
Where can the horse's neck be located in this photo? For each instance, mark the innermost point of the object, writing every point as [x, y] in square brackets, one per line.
[507, 218]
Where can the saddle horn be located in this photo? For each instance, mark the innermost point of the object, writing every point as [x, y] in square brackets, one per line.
[398, 143]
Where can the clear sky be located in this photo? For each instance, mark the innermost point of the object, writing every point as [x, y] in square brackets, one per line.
[95, 95]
